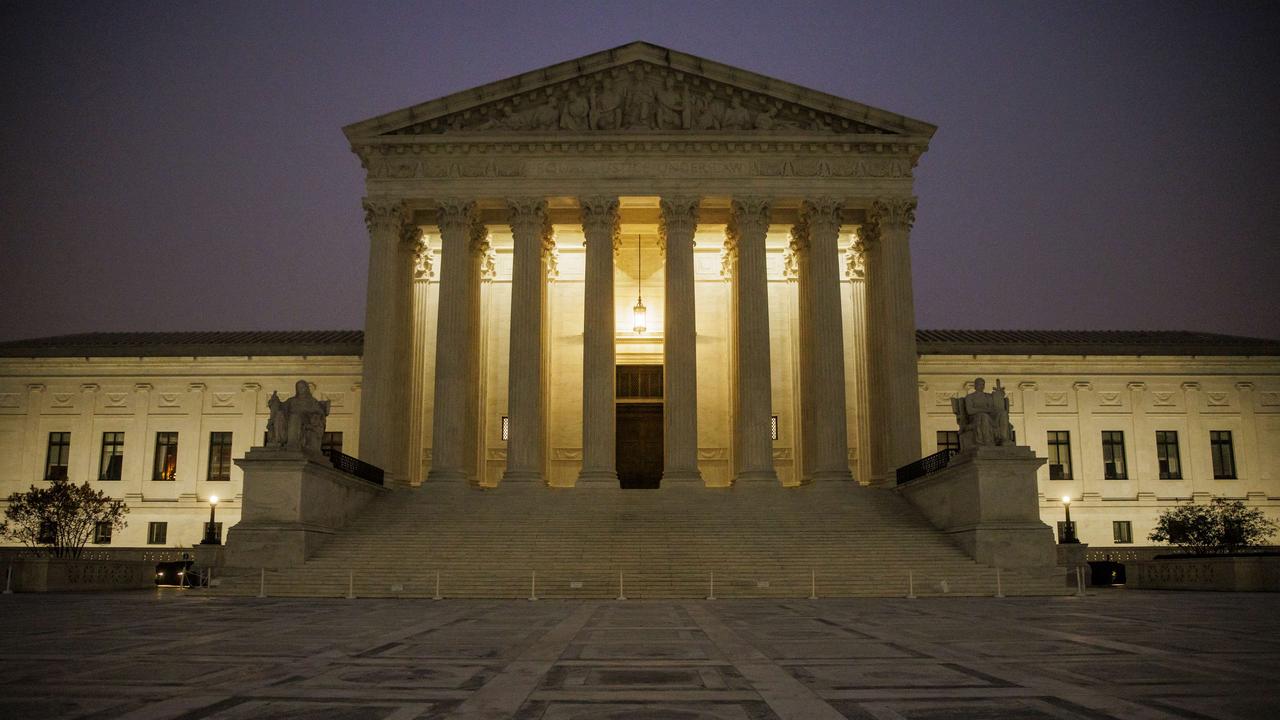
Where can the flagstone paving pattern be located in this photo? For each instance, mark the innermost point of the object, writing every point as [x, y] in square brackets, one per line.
[1114, 654]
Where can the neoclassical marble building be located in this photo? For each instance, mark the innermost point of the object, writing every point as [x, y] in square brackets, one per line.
[643, 268]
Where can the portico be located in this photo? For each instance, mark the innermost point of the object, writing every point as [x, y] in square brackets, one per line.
[500, 305]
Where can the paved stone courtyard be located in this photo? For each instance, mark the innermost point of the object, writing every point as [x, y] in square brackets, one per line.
[172, 654]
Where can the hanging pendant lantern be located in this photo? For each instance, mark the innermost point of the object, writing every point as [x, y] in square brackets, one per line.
[639, 313]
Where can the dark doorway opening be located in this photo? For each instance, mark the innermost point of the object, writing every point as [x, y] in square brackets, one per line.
[639, 445]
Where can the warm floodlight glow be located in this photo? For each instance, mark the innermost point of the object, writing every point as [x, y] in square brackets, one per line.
[1066, 499]
[213, 499]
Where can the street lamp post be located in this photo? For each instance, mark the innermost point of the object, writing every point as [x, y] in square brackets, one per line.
[211, 535]
[1068, 530]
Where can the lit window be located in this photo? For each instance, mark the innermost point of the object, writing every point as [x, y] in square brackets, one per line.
[1122, 531]
[1059, 455]
[102, 533]
[219, 456]
[331, 442]
[58, 455]
[1224, 455]
[773, 427]
[1113, 455]
[109, 466]
[157, 533]
[506, 428]
[166, 467]
[949, 440]
[1167, 454]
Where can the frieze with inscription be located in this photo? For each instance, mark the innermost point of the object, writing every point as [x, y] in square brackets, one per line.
[394, 168]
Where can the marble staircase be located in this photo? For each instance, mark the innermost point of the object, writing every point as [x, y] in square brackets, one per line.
[523, 540]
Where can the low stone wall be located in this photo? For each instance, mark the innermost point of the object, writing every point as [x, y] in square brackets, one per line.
[1231, 574]
[61, 575]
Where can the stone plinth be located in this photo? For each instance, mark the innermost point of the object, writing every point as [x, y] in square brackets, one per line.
[1230, 574]
[986, 501]
[292, 505]
[66, 575]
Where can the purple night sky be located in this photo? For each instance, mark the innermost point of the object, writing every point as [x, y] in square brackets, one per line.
[176, 166]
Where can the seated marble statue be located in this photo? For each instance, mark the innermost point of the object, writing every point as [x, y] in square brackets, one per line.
[297, 423]
[983, 417]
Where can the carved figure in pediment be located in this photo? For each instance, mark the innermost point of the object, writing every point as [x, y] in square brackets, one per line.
[707, 113]
[606, 106]
[737, 117]
[768, 120]
[672, 106]
[576, 114]
[641, 100]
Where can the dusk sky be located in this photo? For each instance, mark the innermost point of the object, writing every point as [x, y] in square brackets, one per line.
[180, 166]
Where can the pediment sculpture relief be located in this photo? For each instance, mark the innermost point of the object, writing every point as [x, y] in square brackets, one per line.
[639, 97]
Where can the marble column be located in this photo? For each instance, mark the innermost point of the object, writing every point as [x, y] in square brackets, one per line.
[678, 220]
[383, 328]
[893, 371]
[856, 271]
[599, 434]
[422, 372]
[453, 424]
[753, 441]
[822, 334]
[531, 234]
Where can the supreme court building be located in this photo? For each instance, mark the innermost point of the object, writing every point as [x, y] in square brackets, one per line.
[643, 269]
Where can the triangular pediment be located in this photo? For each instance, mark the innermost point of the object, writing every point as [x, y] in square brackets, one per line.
[640, 89]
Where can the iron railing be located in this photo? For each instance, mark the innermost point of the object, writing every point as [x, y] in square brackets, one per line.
[356, 466]
[925, 465]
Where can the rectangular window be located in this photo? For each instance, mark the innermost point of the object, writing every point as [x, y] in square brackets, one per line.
[1113, 455]
[219, 456]
[166, 456]
[213, 531]
[55, 466]
[332, 441]
[1224, 455]
[773, 427]
[102, 533]
[1168, 456]
[157, 533]
[1059, 455]
[639, 381]
[48, 533]
[1122, 531]
[506, 428]
[1063, 531]
[948, 440]
[112, 459]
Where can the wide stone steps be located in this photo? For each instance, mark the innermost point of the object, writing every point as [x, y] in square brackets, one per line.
[840, 540]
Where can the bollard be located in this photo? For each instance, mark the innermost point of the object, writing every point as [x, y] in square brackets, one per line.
[262, 584]
[621, 596]
[8, 581]
[999, 589]
[351, 584]
[1079, 581]
[712, 594]
[437, 596]
[813, 585]
[911, 586]
[533, 585]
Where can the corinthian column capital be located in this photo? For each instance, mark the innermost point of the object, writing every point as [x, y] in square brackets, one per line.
[822, 215]
[678, 220]
[600, 219]
[385, 215]
[893, 213]
[455, 215]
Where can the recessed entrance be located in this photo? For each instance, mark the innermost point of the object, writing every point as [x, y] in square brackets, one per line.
[639, 426]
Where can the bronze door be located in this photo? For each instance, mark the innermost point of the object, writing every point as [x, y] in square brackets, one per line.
[639, 445]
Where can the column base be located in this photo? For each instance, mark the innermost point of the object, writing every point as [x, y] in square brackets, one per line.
[597, 479]
[756, 477]
[831, 476]
[522, 476]
[447, 476]
[682, 478]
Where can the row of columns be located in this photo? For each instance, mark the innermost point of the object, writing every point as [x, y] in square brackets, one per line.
[455, 435]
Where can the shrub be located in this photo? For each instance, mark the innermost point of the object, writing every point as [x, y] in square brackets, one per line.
[61, 517]
[1222, 526]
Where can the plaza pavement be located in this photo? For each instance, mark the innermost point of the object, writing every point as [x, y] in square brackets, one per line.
[181, 654]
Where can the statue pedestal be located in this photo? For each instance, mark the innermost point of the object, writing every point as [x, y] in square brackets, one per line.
[292, 504]
[987, 500]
